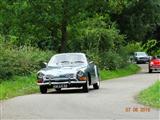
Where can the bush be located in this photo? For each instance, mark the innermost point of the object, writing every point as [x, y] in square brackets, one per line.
[133, 47]
[112, 60]
[20, 60]
[94, 34]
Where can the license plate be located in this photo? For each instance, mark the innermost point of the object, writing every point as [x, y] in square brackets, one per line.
[60, 86]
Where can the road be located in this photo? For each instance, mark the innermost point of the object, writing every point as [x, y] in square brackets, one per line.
[115, 100]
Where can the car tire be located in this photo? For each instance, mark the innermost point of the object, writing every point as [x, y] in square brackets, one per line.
[86, 87]
[43, 89]
[96, 85]
[150, 70]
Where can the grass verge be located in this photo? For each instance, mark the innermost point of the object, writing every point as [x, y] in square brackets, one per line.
[129, 70]
[150, 96]
[18, 86]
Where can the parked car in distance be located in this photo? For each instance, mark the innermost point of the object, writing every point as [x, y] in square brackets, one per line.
[141, 57]
[154, 64]
[68, 70]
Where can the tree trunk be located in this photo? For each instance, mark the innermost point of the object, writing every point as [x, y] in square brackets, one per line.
[64, 28]
[64, 36]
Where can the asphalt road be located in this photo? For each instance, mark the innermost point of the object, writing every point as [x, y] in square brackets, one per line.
[115, 100]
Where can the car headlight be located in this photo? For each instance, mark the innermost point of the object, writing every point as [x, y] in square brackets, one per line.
[40, 75]
[81, 75]
[151, 63]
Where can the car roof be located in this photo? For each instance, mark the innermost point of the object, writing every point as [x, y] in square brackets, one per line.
[70, 53]
[140, 52]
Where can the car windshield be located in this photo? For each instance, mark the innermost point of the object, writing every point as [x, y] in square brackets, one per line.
[141, 54]
[67, 60]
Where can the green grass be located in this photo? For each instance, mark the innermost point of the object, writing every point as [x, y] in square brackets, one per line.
[18, 86]
[150, 96]
[129, 70]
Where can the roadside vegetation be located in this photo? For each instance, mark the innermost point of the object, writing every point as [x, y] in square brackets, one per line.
[20, 60]
[17, 86]
[128, 70]
[150, 96]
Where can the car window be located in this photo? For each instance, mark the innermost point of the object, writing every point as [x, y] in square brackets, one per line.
[68, 60]
[141, 54]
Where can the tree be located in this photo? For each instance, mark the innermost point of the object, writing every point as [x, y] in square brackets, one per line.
[139, 19]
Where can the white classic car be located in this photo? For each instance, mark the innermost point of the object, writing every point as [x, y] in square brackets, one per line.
[68, 70]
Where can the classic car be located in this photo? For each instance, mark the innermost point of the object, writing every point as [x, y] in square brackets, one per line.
[67, 70]
[141, 57]
[154, 64]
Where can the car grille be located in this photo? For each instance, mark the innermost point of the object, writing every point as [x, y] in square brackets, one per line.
[143, 58]
[66, 76]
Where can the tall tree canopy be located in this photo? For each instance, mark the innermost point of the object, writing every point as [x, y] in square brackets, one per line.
[60, 25]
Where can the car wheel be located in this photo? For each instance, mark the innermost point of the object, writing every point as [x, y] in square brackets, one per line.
[96, 85]
[43, 89]
[86, 86]
[150, 70]
[58, 89]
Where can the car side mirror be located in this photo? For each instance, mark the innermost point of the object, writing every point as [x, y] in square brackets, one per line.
[43, 64]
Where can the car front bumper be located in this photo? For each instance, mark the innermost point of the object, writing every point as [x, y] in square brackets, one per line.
[66, 84]
[155, 67]
[142, 60]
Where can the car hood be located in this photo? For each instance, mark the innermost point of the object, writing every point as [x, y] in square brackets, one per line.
[156, 61]
[56, 71]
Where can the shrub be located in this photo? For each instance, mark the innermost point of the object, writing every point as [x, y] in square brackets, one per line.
[133, 47]
[94, 34]
[94, 56]
[20, 60]
[112, 60]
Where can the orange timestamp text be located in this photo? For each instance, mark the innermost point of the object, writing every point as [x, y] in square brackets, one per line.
[137, 109]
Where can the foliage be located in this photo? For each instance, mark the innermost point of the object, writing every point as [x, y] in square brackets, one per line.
[20, 60]
[102, 29]
[140, 19]
[149, 45]
[127, 70]
[96, 37]
[112, 60]
[151, 95]
[18, 85]
[39, 23]
[133, 47]
[96, 33]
